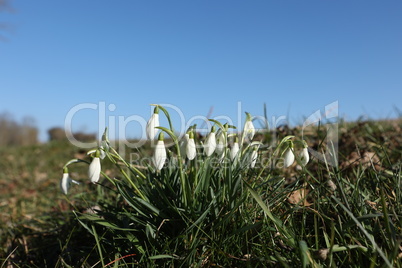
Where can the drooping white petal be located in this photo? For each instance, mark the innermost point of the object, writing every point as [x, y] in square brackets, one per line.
[183, 145]
[249, 130]
[234, 151]
[191, 151]
[210, 144]
[103, 148]
[220, 143]
[288, 158]
[94, 170]
[153, 122]
[253, 158]
[186, 137]
[304, 156]
[65, 183]
[220, 147]
[102, 152]
[159, 157]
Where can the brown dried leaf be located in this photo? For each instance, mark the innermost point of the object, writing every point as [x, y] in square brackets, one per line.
[298, 197]
[366, 160]
[373, 205]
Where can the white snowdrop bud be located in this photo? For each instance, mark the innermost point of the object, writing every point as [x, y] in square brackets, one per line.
[191, 151]
[235, 149]
[65, 181]
[159, 157]
[288, 156]
[153, 122]
[304, 156]
[254, 156]
[210, 143]
[94, 169]
[249, 130]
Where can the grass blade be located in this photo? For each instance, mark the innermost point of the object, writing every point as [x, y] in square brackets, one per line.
[370, 238]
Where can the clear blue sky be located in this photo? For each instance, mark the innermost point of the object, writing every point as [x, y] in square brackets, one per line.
[295, 56]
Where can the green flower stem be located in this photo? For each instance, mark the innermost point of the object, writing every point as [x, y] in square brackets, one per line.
[73, 161]
[107, 177]
[218, 123]
[167, 116]
[129, 165]
[116, 155]
[185, 186]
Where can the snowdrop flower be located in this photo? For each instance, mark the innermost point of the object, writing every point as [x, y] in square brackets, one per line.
[210, 143]
[153, 122]
[304, 156]
[288, 156]
[249, 129]
[254, 156]
[66, 181]
[159, 157]
[191, 152]
[221, 141]
[183, 145]
[102, 154]
[235, 149]
[95, 168]
[104, 146]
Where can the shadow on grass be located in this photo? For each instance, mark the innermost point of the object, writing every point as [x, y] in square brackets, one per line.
[54, 240]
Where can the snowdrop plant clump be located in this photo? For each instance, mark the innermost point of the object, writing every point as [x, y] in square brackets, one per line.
[168, 208]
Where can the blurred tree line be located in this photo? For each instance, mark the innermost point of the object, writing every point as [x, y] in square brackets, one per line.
[13, 132]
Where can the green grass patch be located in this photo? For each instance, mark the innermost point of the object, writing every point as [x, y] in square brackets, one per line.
[205, 212]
